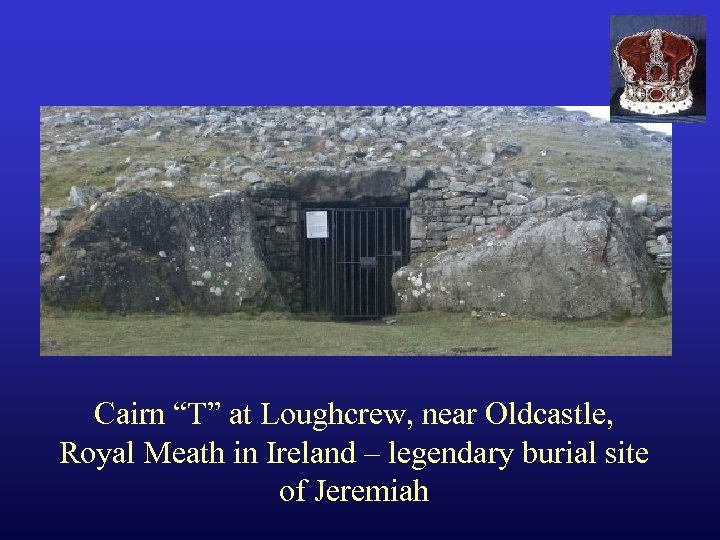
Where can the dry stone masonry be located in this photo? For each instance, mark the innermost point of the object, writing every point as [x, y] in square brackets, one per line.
[486, 234]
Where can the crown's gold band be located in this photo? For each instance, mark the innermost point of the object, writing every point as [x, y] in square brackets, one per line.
[630, 100]
[655, 93]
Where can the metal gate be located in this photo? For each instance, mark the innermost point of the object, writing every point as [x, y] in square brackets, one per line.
[349, 256]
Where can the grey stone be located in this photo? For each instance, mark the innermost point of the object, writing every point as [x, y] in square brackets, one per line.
[418, 228]
[658, 249]
[639, 203]
[417, 244]
[150, 172]
[434, 244]
[588, 261]
[85, 195]
[511, 209]
[460, 232]
[536, 205]
[252, 177]
[64, 213]
[514, 198]
[459, 201]
[526, 177]
[416, 176]
[438, 183]
[348, 134]
[508, 148]
[556, 200]
[430, 194]
[48, 225]
[319, 185]
[477, 189]
[497, 194]
[663, 225]
[122, 271]
[175, 172]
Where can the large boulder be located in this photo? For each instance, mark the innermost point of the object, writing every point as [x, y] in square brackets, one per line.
[392, 184]
[147, 252]
[583, 257]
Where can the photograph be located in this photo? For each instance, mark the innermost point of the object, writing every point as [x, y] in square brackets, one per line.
[397, 230]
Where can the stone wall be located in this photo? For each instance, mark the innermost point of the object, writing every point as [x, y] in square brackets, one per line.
[448, 210]
[277, 212]
[655, 223]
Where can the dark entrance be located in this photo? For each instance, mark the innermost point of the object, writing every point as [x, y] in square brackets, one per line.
[348, 266]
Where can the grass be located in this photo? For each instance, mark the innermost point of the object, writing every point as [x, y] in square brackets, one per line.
[580, 157]
[431, 334]
[99, 165]
[588, 163]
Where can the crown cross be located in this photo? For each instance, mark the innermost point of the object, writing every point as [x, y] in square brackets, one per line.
[656, 70]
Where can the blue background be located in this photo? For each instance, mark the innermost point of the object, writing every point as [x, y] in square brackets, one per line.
[350, 53]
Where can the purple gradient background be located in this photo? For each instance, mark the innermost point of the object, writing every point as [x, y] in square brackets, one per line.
[354, 53]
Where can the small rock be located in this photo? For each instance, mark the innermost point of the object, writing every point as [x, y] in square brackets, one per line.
[639, 203]
[348, 134]
[48, 225]
[84, 196]
[175, 172]
[252, 177]
[663, 225]
[515, 198]
[508, 148]
[526, 177]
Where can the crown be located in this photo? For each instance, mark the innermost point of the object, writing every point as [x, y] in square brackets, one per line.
[656, 65]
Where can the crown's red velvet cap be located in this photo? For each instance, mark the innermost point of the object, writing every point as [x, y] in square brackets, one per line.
[676, 51]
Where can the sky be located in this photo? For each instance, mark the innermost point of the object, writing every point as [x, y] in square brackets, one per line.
[604, 112]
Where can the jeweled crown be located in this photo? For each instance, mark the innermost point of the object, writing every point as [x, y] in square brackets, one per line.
[657, 66]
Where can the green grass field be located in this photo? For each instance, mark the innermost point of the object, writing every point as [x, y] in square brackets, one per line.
[432, 334]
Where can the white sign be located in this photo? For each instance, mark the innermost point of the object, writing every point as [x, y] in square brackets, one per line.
[316, 223]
